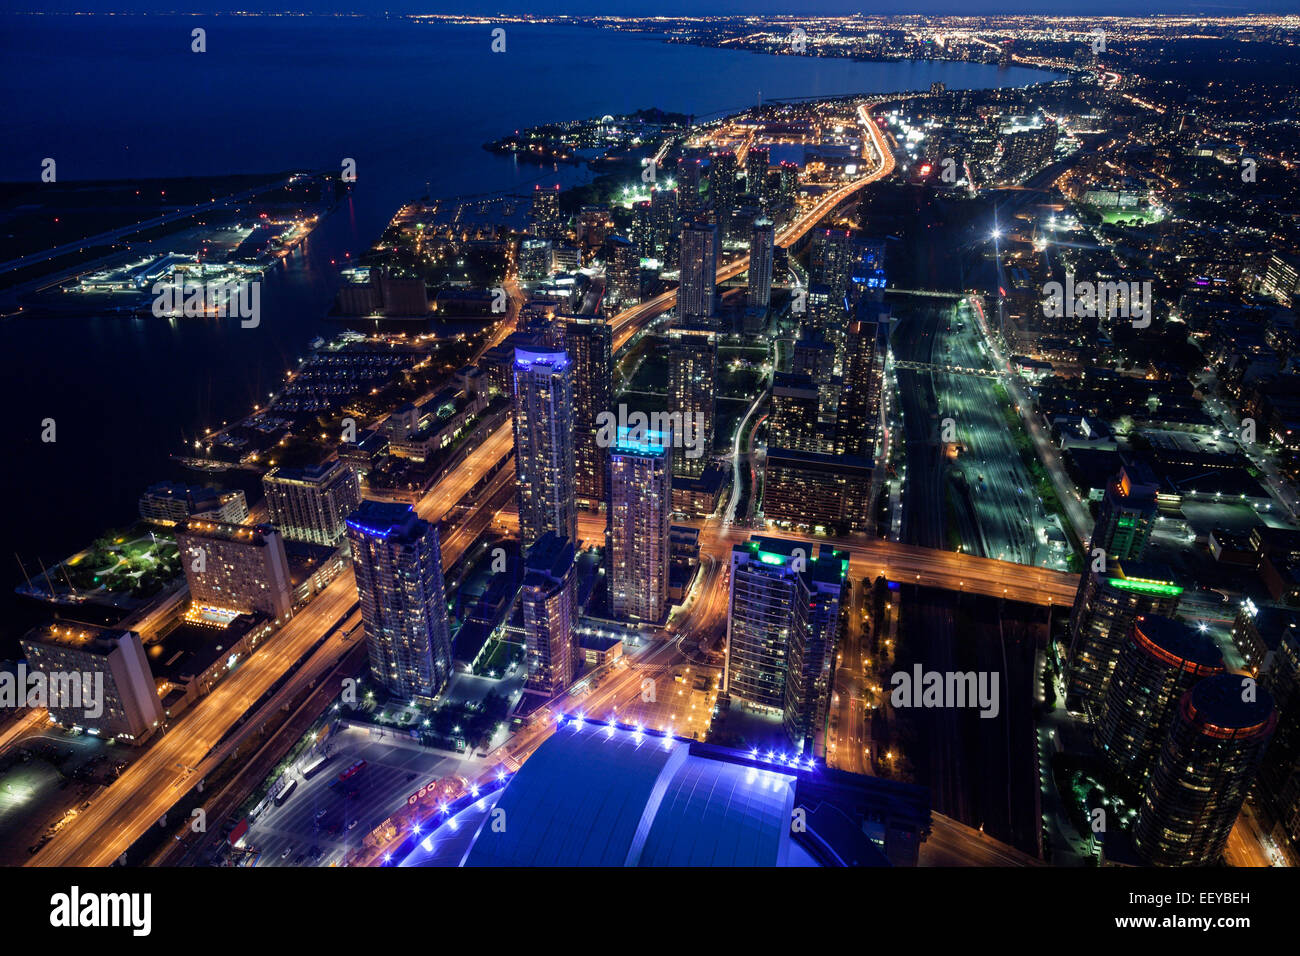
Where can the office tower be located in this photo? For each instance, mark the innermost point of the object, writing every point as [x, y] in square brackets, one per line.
[1279, 776]
[1160, 661]
[782, 617]
[761, 252]
[859, 407]
[1204, 771]
[544, 463]
[95, 678]
[1127, 514]
[536, 259]
[546, 212]
[235, 569]
[622, 275]
[550, 612]
[814, 491]
[312, 504]
[1105, 608]
[397, 557]
[699, 270]
[692, 381]
[831, 259]
[589, 343]
[640, 503]
[792, 421]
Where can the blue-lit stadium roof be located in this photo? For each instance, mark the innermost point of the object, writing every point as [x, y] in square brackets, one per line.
[598, 795]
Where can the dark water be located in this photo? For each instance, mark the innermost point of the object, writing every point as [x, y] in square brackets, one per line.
[123, 97]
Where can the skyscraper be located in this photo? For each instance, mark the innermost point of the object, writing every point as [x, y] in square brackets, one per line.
[782, 619]
[858, 424]
[588, 341]
[1279, 777]
[699, 271]
[692, 383]
[1127, 514]
[622, 275]
[397, 557]
[544, 462]
[761, 253]
[757, 160]
[831, 259]
[1204, 771]
[808, 678]
[312, 504]
[548, 603]
[640, 503]
[1105, 608]
[1161, 660]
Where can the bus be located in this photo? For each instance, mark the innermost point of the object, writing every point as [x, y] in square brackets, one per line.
[286, 792]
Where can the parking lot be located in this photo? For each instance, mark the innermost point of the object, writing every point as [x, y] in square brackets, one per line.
[323, 820]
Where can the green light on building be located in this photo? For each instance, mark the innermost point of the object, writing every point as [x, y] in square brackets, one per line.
[1146, 587]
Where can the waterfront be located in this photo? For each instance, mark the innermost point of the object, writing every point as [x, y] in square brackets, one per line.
[275, 93]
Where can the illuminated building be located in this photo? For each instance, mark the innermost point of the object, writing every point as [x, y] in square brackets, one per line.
[596, 794]
[640, 504]
[622, 275]
[588, 341]
[235, 569]
[831, 259]
[536, 259]
[782, 619]
[793, 420]
[1204, 772]
[859, 411]
[692, 383]
[761, 253]
[547, 600]
[699, 271]
[96, 679]
[543, 428]
[1279, 777]
[810, 490]
[1160, 661]
[169, 503]
[1106, 606]
[547, 221]
[1127, 514]
[757, 160]
[312, 504]
[397, 558]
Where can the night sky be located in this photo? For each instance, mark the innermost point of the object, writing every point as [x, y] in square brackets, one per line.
[678, 7]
